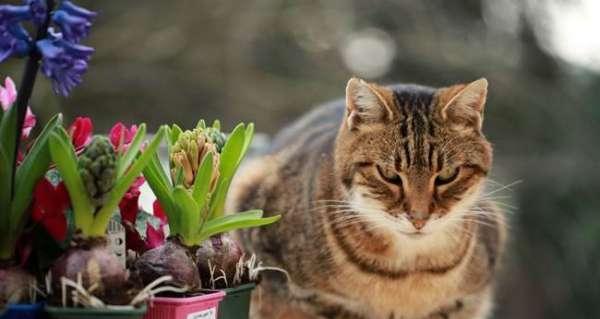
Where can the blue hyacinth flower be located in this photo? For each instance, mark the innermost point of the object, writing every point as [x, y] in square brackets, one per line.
[74, 22]
[63, 62]
[37, 10]
[10, 14]
[14, 41]
[77, 11]
[73, 28]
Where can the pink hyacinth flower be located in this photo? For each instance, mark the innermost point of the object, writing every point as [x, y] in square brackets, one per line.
[8, 93]
[121, 136]
[28, 124]
[8, 96]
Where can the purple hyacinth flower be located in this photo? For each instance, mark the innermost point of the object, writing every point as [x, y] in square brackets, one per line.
[63, 62]
[10, 14]
[37, 10]
[73, 28]
[77, 11]
[14, 41]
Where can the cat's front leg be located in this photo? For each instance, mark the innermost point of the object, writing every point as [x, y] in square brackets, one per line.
[477, 306]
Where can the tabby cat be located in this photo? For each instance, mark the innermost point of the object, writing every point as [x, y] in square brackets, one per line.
[383, 210]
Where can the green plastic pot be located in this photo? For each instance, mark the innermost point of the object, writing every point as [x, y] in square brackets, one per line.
[93, 313]
[236, 304]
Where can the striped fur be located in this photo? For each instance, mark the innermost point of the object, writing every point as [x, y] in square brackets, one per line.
[370, 229]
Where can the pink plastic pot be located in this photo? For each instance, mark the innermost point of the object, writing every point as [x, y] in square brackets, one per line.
[198, 307]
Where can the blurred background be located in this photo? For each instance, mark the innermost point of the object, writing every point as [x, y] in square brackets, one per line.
[268, 61]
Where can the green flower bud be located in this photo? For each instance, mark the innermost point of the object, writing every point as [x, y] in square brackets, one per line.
[217, 137]
[97, 167]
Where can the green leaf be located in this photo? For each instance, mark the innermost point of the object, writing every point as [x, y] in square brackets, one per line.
[232, 151]
[247, 140]
[134, 148]
[217, 198]
[34, 166]
[5, 169]
[122, 185]
[216, 124]
[190, 214]
[228, 163]
[233, 222]
[247, 215]
[162, 188]
[8, 131]
[5, 176]
[174, 132]
[64, 156]
[201, 124]
[201, 185]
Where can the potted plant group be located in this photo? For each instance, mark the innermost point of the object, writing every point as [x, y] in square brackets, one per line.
[192, 194]
[71, 185]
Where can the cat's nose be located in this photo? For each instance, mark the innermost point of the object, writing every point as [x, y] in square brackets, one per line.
[418, 219]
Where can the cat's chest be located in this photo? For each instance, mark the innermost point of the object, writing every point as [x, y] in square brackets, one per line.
[414, 296]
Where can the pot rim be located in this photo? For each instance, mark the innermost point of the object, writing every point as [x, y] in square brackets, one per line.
[217, 296]
[121, 310]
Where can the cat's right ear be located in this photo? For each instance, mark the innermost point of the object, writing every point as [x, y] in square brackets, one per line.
[367, 103]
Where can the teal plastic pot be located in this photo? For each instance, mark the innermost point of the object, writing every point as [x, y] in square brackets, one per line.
[92, 313]
[23, 311]
[236, 304]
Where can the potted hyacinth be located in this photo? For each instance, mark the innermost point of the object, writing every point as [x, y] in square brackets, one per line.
[89, 274]
[22, 165]
[192, 195]
[20, 170]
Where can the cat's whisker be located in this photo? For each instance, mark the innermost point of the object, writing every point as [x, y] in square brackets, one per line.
[505, 187]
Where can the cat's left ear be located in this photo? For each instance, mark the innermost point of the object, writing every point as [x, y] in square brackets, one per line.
[463, 104]
[367, 103]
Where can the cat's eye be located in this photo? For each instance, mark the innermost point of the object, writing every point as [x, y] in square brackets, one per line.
[447, 175]
[390, 177]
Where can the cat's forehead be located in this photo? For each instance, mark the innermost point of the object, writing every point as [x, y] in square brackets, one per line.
[413, 98]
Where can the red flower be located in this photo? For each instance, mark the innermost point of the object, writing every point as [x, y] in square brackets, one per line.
[129, 209]
[81, 132]
[154, 237]
[159, 212]
[49, 205]
[129, 203]
[121, 136]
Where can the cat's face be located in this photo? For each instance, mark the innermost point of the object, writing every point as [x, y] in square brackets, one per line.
[413, 159]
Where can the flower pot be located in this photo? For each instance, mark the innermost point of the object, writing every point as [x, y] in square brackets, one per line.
[23, 311]
[197, 307]
[96, 313]
[236, 304]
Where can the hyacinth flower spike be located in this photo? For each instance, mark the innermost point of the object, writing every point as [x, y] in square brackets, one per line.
[63, 59]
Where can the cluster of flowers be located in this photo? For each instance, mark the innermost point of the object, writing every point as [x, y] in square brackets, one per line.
[51, 201]
[64, 60]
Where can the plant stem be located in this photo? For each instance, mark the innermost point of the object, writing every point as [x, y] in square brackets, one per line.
[27, 83]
